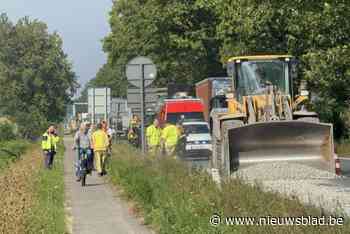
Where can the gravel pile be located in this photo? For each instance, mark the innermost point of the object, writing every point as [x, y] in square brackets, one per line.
[282, 170]
[310, 185]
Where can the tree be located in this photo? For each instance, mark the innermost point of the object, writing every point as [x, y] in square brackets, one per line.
[108, 76]
[38, 78]
[190, 40]
[328, 72]
[316, 32]
[178, 35]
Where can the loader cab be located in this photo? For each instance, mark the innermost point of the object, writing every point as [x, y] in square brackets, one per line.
[253, 74]
[218, 102]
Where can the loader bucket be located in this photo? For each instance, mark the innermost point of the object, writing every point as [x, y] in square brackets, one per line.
[298, 141]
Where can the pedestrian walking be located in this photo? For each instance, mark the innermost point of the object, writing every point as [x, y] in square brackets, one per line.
[100, 144]
[109, 133]
[49, 146]
[82, 144]
[153, 135]
[134, 134]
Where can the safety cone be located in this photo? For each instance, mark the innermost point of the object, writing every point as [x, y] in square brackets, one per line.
[337, 166]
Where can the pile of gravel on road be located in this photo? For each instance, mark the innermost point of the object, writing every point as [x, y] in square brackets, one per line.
[312, 186]
[282, 170]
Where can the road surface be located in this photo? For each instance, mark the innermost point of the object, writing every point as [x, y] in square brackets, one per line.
[95, 208]
[345, 166]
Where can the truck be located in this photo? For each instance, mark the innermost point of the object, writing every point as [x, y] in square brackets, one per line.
[212, 91]
[173, 110]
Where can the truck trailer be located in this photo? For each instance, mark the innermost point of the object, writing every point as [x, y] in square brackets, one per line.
[212, 91]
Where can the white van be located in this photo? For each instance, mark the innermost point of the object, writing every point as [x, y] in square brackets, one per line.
[197, 143]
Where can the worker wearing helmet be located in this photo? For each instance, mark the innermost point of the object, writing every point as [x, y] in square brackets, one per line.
[169, 139]
[153, 134]
[49, 146]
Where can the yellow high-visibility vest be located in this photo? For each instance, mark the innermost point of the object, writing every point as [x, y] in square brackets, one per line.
[153, 135]
[100, 140]
[49, 142]
[170, 135]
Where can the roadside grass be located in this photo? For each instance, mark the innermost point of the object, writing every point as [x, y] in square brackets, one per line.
[16, 185]
[175, 199]
[47, 214]
[343, 148]
[10, 151]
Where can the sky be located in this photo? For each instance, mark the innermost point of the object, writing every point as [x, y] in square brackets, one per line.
[82, 24]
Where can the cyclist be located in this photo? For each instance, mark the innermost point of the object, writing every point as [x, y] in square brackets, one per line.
[82, 144]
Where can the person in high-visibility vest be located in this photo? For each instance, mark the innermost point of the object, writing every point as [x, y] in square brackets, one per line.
[134, 131]
[169, 139]
[134, 122]
[49, 146]
[133, 137]
[153, 134]
[100, 144]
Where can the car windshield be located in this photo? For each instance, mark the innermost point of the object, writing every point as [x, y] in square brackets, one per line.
[173, 118]
[196, 129]
[255, 75]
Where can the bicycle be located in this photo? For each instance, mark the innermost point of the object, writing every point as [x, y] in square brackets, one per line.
[84, 165]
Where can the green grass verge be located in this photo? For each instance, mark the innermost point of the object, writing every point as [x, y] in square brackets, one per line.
[175, 200]
[10, 151]
[48, 214]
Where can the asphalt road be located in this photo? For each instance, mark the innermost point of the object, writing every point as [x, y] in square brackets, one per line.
[345, 166]
[95, 208]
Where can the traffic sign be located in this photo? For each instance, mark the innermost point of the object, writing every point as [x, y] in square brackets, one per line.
[141, 72]
[99, 101]
[141, 68]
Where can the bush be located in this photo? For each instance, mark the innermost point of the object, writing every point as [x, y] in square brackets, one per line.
[7, 131]
[11, 151]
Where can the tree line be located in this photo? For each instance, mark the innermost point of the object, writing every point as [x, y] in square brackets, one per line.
[36, 78]
[192, 39]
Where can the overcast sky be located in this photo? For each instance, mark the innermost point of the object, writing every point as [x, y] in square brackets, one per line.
[81, 23]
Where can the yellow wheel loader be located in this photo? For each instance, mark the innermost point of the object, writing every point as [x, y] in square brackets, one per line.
[265, 121]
